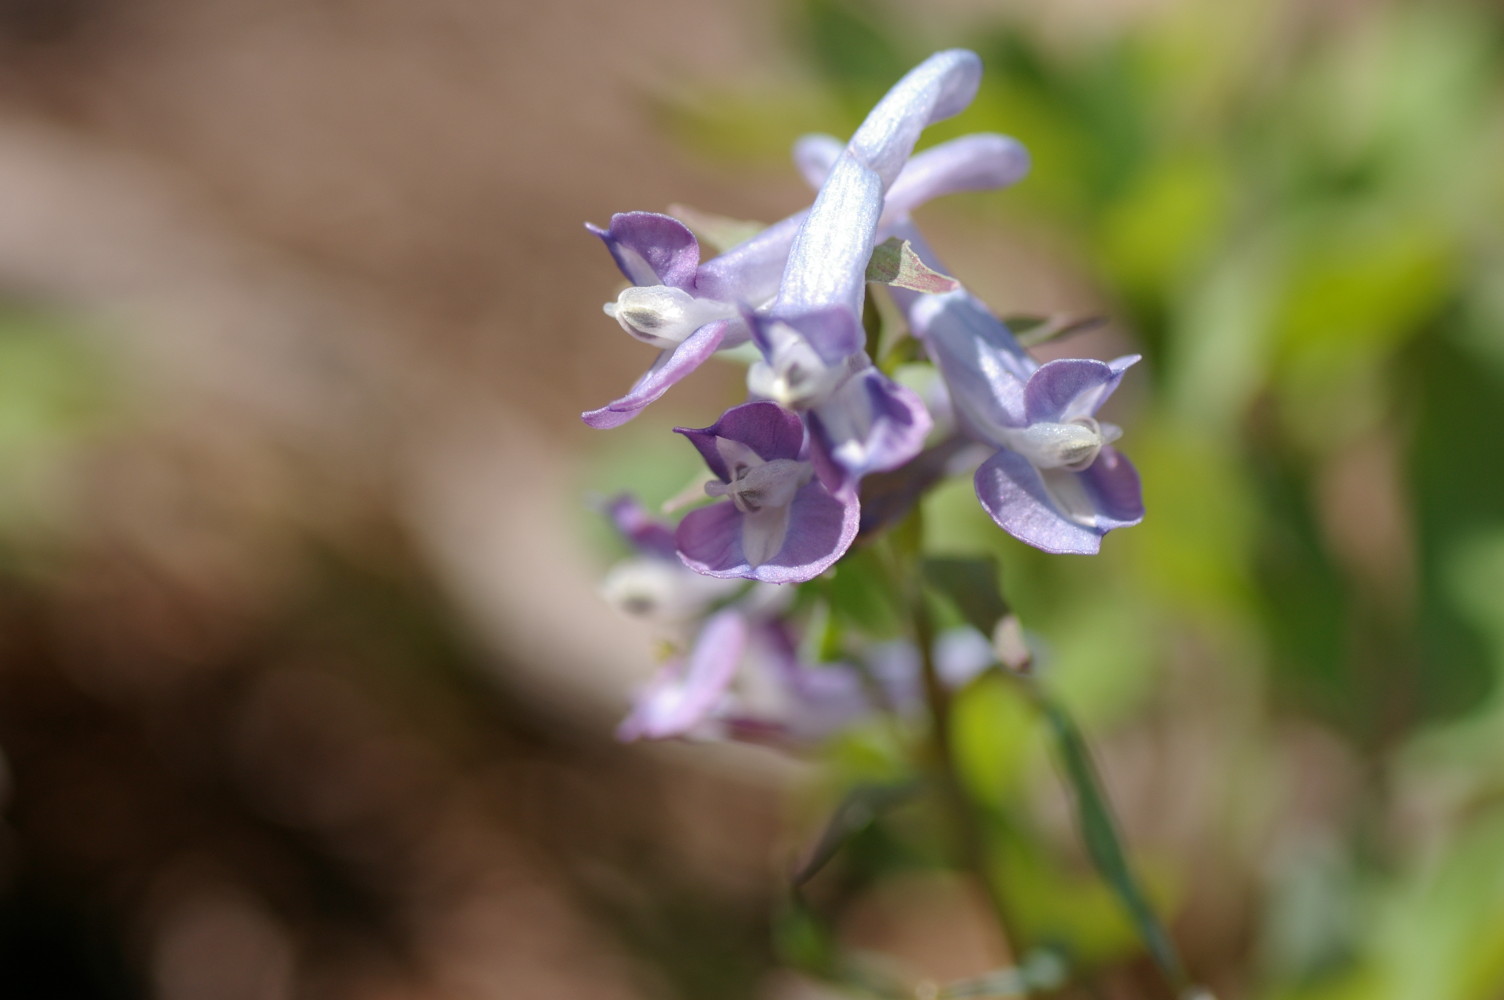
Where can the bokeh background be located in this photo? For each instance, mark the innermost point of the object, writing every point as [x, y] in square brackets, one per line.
[305, 690]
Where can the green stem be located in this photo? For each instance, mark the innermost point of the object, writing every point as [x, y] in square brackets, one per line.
[966, 819]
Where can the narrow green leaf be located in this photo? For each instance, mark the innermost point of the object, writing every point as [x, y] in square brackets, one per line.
[1103, 844]
[855, 812]
[895, 263]
[1031, 331]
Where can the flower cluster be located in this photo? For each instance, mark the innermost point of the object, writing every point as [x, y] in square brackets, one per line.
[787, 466]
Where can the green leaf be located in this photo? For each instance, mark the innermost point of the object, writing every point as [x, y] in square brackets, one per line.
[970, 585]
[855, 813]
[895, 263]
[1103, 845]
[860, 596]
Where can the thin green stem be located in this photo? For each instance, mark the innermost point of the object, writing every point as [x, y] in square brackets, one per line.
[966, 818]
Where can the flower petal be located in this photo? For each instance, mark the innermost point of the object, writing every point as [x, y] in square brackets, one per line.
[827, 263]
[640, 530]
[937, 88]
[670, 367]
[1070, 388]
[984, 375]
[980, 162]
[1015, 494]
[834, 334]
[820, 528]
[1112, 484]
[767, 428]
[686, 692]
[750, 271]
[985, 369]
[870, 424]
[652, 249]
[814, 155]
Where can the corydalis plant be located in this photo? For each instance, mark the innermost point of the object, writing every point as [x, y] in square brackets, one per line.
[741, 590]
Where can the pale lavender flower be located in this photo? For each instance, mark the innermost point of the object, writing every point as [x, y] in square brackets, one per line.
[652, 583]
[778, 523]
[689, 689]
[811, 336]
[712, 617]
[689, 310]
[1056, 482]
[745, 680]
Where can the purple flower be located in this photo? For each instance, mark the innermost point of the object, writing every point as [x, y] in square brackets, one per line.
[811, 337]
[690, 310]
[689, 689]
[1056, 483]
[653, 584]
[745, 680]
[778, 523]
[685, 309]
[982, 161]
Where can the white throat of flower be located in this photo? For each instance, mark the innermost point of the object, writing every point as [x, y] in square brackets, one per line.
[1060, 450]
[661, 592]
[663, 315]
[1072, 446]
[795, 376]
[762, 491]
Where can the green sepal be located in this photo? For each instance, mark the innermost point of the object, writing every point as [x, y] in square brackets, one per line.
[895, 263]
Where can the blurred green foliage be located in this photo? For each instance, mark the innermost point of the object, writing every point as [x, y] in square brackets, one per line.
[1294, 212]
[54, 394]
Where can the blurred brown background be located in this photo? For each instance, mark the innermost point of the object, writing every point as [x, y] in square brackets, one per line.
[304, 690]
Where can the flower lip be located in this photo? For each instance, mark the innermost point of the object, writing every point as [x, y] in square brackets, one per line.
[781, 525]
